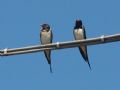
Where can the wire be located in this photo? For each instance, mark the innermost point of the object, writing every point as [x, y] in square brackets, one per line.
[60, 45]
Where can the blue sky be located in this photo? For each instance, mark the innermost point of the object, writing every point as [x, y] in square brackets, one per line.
[20, 26]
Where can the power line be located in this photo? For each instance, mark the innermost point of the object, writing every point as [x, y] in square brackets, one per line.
[60, 45]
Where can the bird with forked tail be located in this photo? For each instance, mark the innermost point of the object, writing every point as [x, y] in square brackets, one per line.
[46, 37]
[79, 34]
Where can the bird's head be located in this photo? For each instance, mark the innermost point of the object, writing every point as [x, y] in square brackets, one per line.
[78, 24]
[45, 27]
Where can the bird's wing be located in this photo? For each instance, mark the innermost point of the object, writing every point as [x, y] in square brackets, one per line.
[83, 49]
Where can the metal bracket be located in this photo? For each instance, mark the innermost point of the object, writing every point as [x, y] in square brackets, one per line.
[5, 50]
[102, 38]
[58, 45]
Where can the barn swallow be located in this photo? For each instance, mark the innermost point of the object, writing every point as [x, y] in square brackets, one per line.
[79, 34]
[46, 37]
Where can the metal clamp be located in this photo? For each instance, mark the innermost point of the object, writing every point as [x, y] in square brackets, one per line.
[58, 45]
[5, 50]
[102, 38]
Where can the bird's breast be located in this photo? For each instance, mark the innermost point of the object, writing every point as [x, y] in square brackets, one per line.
[79, 34]
[45, 37]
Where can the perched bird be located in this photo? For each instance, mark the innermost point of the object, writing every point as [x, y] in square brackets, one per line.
[79, 34]
[46, 38]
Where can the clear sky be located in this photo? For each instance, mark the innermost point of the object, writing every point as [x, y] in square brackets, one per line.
[20, 26]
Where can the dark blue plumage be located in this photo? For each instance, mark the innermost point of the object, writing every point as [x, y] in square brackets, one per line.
[79, 34]
[46, 38]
